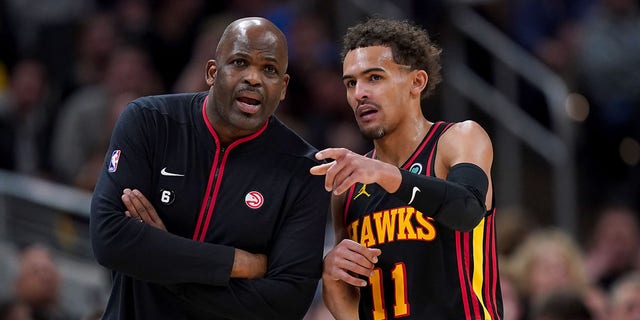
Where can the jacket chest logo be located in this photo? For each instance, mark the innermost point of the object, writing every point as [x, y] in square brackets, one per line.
[254, 199]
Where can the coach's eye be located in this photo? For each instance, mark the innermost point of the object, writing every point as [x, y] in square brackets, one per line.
[270, 69]
[239, 63]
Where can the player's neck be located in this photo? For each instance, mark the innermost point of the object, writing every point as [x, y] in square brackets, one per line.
[396, 147]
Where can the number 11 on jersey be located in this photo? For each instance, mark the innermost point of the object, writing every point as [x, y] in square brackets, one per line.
[401, 305]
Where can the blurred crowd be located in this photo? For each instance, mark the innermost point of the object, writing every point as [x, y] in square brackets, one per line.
[593, 46]
[67, 73]
[547, 274]
[69, 67]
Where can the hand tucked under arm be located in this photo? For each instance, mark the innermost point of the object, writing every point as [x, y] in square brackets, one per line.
[139, 207]
[248, 265]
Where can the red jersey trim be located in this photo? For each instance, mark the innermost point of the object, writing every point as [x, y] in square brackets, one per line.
[432, 131]
[199, 234]
[461, 275]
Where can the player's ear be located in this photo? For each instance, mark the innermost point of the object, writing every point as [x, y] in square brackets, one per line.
[419, 82]
[210, 73]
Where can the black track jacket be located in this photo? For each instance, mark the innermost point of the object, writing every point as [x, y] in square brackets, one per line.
[256, 194]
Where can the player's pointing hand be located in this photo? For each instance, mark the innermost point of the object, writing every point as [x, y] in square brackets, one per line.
[350, 168]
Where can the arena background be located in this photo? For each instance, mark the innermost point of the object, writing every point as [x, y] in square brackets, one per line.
[555, 84]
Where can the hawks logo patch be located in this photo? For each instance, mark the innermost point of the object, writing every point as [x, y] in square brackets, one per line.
[254, 199]
[115, 157]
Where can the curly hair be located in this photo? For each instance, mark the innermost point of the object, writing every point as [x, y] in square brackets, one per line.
[409, 43]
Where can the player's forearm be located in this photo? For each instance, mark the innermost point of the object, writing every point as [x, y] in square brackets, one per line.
[389, 177]
[340, 298]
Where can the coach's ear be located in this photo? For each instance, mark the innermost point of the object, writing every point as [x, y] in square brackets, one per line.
[210, 73]
[285, 81]
[419, 82]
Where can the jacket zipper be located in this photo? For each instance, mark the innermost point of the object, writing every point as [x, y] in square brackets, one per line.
[200, 235]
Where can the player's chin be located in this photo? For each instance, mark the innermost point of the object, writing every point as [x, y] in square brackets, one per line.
[372, 132]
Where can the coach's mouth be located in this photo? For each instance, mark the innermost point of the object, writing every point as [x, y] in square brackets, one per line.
[248, 104]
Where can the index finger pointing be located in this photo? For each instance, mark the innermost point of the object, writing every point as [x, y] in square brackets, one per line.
[330, 153]
[320, 169]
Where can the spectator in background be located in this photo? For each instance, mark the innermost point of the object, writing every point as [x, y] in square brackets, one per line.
[511, 300]
[548, 261]
[609, 65]
[514, 225]
[97, 39]
[23, 118]
[81, 130]
[133, 18]
[190, 78]
[7, 45]
[89, 171]
[313, 107]
[14, 310]
[250, 8]
[38, 283]
[33, 19]
[614, 247]
[549, 29]
[171, 37]
[624, 299]
[610, 62]
[562, 305]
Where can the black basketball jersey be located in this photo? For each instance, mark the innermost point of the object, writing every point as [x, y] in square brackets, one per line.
[426, 270]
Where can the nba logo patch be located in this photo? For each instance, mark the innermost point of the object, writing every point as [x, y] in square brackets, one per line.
[113, 164]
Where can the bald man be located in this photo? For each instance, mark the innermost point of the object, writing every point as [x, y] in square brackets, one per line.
[205, 208]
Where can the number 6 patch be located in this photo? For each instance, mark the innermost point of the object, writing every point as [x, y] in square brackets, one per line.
[167, 196]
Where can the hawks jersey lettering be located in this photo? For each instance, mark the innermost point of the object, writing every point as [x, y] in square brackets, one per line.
[426, 270]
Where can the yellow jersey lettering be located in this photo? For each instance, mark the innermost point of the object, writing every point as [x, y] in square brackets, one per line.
[367, 238]
[403, 223]
[405, 229]
[385, 225]
[352, 230]
[426, 231]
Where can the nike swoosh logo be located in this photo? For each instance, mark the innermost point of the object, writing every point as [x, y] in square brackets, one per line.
[170, 174]
[413, 194]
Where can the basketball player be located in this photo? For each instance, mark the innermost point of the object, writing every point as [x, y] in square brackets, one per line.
[414, 218]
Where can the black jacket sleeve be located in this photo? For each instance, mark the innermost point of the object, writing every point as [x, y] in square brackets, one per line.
[294, 266]
[134, 248]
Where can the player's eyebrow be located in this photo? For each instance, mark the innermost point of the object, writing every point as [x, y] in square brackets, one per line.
[374, 69]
